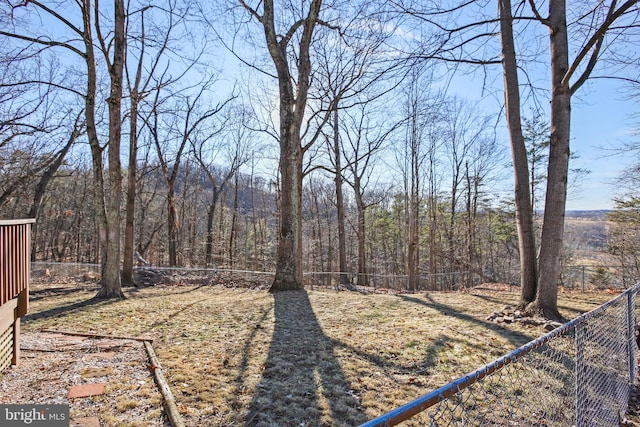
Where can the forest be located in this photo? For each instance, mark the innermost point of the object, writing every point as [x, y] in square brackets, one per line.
[319, 137]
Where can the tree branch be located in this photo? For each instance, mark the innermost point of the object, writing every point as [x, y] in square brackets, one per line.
[43, 42]
[594, 45]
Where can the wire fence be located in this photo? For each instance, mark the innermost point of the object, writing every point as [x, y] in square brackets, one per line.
[574, 277]
[580, 374]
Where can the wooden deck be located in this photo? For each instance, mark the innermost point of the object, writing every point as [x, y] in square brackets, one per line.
[15, 271]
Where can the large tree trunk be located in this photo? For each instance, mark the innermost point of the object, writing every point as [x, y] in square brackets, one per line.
[546, 302]
[292, 109]
[289, 253]
[524, 213]
[107, 203]
[111, 285]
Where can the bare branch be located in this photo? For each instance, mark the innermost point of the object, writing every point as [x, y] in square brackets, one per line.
[43, 42]
[594, 45]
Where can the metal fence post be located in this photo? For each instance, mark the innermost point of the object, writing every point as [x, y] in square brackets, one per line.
[581, 389]
[631, 334]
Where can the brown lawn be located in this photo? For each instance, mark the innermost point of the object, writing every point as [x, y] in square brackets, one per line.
[236, 356]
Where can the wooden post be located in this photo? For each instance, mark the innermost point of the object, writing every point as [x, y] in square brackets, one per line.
[15, 359]
[23, 303]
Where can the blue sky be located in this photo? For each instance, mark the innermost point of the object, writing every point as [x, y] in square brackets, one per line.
[601, 120]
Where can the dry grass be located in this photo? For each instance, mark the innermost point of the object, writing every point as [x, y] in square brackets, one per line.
[246, 357]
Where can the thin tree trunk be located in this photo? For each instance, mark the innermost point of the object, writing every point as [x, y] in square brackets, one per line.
[524, 214]
[211, 210]
[546, 302]
[234, 226]
[172, 227]
[129, 244]
[254, 222]
[342, 245]
[412, 244]
[46, 178]
[363, 278]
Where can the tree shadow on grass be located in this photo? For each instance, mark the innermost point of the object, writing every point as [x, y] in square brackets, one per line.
[53, 293]
[391, 369]
[45, 293]
[67, 309]
[564, 308]
[514, 337]
[302, 382]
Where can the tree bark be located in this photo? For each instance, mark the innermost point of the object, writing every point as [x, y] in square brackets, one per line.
[414, 203]
[111, 284]
[127, 267]
[363, 278]
[524, 214]
[342, 245]
[106, 202]
[546, 302]
[211, 210]
[292, 109]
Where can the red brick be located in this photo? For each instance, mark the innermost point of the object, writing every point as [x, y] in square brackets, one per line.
[86, 390]
[108, 356]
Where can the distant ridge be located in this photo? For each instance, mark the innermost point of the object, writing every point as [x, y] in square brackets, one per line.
[595, 215]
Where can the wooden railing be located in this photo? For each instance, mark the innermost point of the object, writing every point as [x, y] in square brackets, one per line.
[15, 262]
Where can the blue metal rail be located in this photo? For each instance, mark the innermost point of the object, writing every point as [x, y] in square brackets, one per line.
[421, 404]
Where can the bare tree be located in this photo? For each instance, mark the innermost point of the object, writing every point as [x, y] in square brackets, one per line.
[293, 83]
[595, 29]
[145, 72]
[524, 212]
[172, 127]
[86, 37]
[228, 147]
[53, 167]
[353, 68]
[364, 139]
[420, 115]
[567, 76]
[38, 126]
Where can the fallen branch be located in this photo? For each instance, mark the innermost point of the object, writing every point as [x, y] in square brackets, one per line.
[92, 335]
[46, 350]
[169, 402]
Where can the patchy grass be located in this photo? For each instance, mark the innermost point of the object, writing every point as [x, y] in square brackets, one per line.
[246, 357]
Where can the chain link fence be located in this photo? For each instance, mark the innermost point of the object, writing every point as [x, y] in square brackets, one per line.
[580, 374]
[574, 277]
[151, 275]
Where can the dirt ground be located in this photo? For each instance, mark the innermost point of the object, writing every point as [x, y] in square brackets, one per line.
[52, 365]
